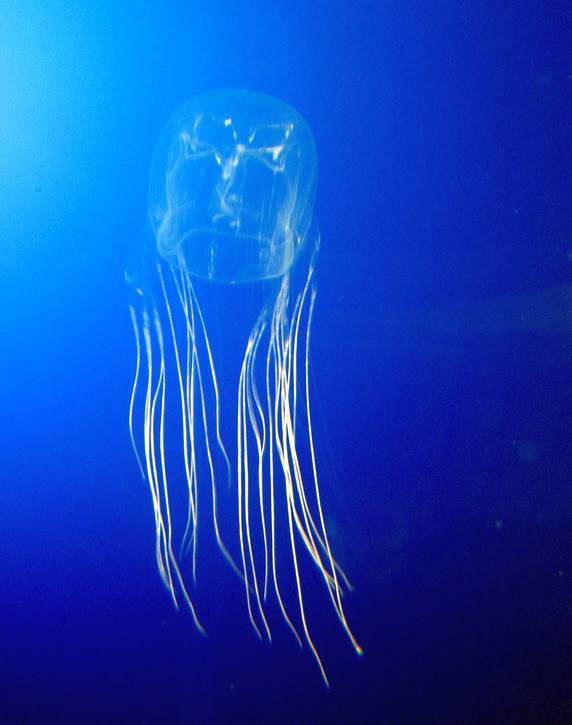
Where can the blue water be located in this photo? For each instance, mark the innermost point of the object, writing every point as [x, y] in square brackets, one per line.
[441, 361]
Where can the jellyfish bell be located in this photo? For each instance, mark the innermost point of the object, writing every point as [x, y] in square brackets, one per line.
[232, 187]
[231, 197]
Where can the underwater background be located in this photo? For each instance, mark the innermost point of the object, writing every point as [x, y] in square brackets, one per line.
[441, 359]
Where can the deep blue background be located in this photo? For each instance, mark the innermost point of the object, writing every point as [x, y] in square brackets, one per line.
[442, 348]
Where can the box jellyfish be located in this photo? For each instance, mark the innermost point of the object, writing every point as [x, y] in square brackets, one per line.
[231, 199]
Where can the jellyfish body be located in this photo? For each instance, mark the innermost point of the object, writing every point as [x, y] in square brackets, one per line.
[231, 198]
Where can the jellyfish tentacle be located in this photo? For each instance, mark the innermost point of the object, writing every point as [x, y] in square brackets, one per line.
[328, 572]
[290, 383]
[254, 404]
[190, 374]
[246, 405]
[159, 469]
[289, 455]
[310, 526]
[168, 541]
[192, 370]
[337, 589]
[242, 491]
[281, 443]
[186, 434]
[213, 378]
[154, 416]
[271, 358]
[135, 387]
[281, 447]
[293, 367]
[190, 306]
[155, 462]
[149, 447]
[194, 305]
[291, 352]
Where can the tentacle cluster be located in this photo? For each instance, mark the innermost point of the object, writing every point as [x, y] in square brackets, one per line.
[275, 493]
